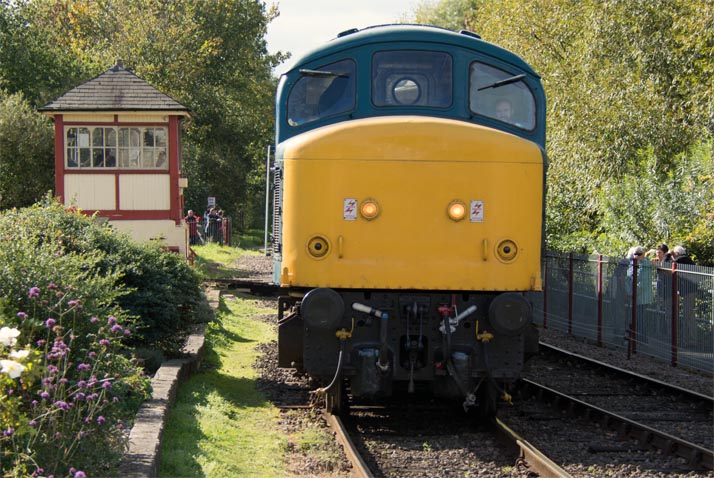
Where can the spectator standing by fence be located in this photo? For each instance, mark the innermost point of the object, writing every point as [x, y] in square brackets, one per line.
[661, 260]
[686, 288]
[642, 287]
[213, 225]
[193, 221]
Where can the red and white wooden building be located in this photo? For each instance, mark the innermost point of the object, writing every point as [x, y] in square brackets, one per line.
[118, 153]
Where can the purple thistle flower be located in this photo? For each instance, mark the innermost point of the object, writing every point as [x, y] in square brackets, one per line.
[112, 320]
[104, 342]
[22, 315]
[52, 369]
[127, 332]
[84, 366]
[101, 420]
[8, 432]
[34, 403]
[80, 474]
[64, 380]
[79, 396]
[49, 323]
[45, 395]
[58, 435]
[62, 405]
[115, 399]
[92, 354]
[41, 342]
[116, 328]
[82, 384]
[107, 385]
[34, 292]
[32, 423]
[94, 320]
[52, 286]
[73, 302]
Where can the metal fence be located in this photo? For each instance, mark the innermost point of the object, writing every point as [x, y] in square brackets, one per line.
[665, 312]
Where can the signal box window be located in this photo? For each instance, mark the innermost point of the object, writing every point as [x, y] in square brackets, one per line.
[412, 78]
[111, 147]
[322, 92]
[501, 95]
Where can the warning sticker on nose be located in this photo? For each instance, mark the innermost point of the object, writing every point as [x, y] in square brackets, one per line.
[476, 211]
[349, 209]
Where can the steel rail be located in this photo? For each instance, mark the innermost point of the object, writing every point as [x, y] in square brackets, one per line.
[535, 460]
[709, 400]
[359, 467]
[696, 455]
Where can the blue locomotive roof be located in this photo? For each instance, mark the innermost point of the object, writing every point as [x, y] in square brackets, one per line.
[410, 69]
[403, 32]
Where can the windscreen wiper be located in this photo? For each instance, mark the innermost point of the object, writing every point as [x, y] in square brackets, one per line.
[500, 83]
[322, 73]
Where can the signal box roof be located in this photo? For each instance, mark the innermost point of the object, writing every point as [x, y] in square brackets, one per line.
[116, 89]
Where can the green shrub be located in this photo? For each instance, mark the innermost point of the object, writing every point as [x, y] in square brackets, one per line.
[152, 289]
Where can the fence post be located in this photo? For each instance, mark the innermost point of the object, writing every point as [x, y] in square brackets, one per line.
[545, 292]
[570, 294]
[599, 300]
[675, 315]
[632, 349]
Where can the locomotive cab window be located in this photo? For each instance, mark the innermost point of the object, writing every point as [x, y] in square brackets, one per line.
[412, 78]
[501, 95]
[322, 92]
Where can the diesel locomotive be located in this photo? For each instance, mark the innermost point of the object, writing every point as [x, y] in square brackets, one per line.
[408, 214]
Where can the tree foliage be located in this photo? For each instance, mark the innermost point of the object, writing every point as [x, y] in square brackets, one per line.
[210, 55]
[629, 85]
[26, 152]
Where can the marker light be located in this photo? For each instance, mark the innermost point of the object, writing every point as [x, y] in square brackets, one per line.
[318, 247]
[369, 209]
[456, 210]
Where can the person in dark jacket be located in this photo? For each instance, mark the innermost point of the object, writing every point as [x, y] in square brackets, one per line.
[192, 221]
[687, 290]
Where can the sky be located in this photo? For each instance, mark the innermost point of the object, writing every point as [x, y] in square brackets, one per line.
[306, 24]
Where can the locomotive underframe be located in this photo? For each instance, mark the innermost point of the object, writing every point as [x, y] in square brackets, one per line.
[405, 343]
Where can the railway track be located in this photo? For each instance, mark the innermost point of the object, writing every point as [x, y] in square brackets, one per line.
[612, 417]
[411, 440]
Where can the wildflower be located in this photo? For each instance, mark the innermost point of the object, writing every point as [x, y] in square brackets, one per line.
[72, 303]
[82, 384]
[44, 395]
[8, 336]
[34, 292]
[41, 342]
[19, 354]
[49, 323]
[12, 368]
[62, 405]
[52, 286]
[94, 320]
[127, 332]
[84, 366]
[107, 385]
[92, 354]
[22, 315]
[8, 432]
[116, 328]
[101, 420]
[112, 320]
[104, 342]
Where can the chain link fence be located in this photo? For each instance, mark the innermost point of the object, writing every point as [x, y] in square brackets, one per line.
[662, 311]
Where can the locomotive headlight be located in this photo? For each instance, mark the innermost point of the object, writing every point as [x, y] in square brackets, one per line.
[456, 210]
[369, 209]
[506, 250]
[509, 313]
[318, 247]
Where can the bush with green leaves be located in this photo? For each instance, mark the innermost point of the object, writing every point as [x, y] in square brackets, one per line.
[68, 389]
[152, 289]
